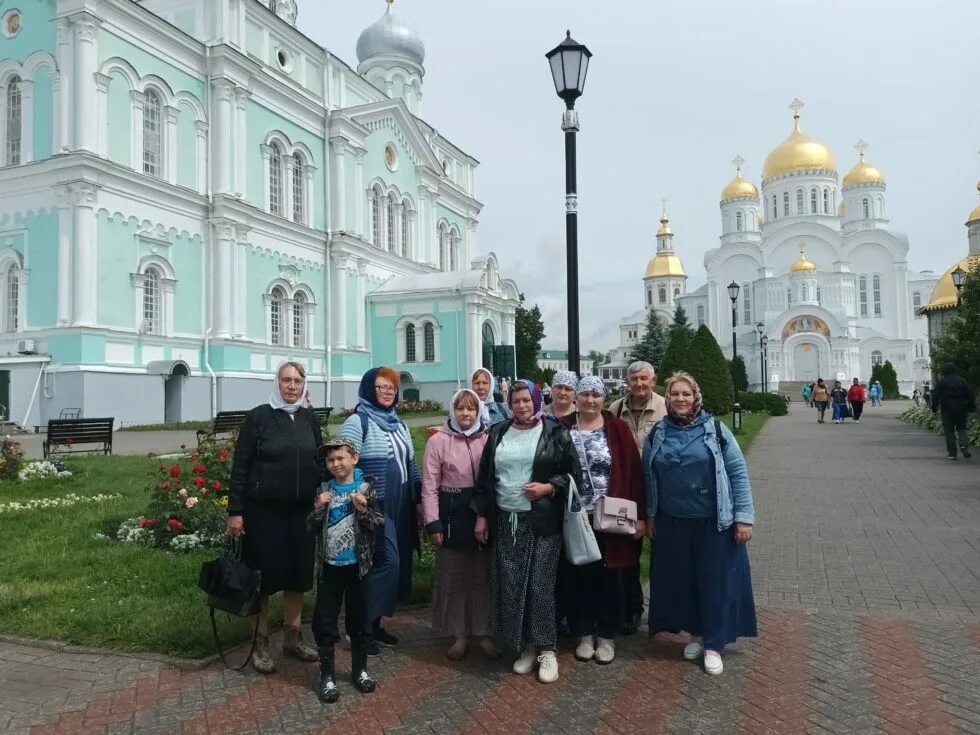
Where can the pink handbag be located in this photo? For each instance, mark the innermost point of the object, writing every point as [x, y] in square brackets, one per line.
[614, 515]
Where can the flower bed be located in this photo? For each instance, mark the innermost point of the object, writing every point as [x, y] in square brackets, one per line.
[65, 501]
[926, 419]
[408, 408]
[43, 469]
[11, 459]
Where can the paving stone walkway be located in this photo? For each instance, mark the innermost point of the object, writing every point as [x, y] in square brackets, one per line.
[866, 564]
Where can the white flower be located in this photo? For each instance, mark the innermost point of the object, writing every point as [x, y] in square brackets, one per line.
[63, 502]
[41, 469]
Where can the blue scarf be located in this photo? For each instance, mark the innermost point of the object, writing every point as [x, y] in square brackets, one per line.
[367, 403]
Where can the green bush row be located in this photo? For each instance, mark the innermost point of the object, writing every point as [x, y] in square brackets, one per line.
[926, 419]
[770, 403]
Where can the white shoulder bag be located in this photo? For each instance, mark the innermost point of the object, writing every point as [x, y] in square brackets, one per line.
[581, 546]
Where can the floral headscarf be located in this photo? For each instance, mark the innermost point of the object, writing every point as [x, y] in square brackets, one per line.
[590, 384]
[564, 377]
[535, 401]
[695, 413]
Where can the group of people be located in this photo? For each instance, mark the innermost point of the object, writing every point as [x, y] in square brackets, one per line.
[495, 486]
[843, 402]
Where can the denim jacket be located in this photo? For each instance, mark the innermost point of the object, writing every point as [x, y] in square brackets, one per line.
[732, 475]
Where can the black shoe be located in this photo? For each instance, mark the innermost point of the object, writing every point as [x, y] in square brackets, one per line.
[383, 637]
[966, 452]
[363, 681]
[371, 647]
[327, 691]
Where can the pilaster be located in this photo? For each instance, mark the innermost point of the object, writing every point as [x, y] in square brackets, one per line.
[85, 64]
[85, 280]
[338, 311]
[64, 201]
[27, 118]
[221, 278]
[361, 341]
[224, 95]
[62, 126]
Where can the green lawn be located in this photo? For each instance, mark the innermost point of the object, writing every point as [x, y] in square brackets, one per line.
[60, 581]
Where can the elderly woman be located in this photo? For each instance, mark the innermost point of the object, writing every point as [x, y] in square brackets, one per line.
[562, 394]
[274, 478]
[461, 594]
[385, 452]
[519, 500]
[598, 602]
[699, 506]
[485, 386]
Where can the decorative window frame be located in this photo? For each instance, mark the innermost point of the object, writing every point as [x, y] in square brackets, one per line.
[11, 259]
[395, 208]
[27, 70]
[418, 322]
[168, 284]
[290, 288]
[289, 172]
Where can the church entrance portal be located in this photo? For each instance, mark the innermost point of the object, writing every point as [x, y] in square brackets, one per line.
[806, 362]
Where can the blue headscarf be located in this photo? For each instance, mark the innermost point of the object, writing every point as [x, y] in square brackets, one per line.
[367, 403]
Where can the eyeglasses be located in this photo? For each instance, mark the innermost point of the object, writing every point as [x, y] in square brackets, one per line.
[386, 389]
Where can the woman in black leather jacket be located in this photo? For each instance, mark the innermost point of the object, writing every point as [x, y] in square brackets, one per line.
[519, 501]
[274, 479]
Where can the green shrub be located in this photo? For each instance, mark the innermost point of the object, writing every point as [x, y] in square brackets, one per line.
[706, 362]
[770, 403]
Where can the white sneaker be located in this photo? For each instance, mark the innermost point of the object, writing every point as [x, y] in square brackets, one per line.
[585, 650]
[547, 667]
[693, 651]
[712, 663]
[605, 652]
[525, 664]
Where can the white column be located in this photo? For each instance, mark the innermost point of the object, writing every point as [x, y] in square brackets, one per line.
[85, 279]
[396, 246]
[138, 100]
[27, 117]
[64, 256]
[201, 155]
[338, 300]
[469, 243]
[361, 303]
[221, 277]
[474, 351]
[102, 123]
[62, 127]
[412, 237]
[170, 115]
[422, 240]
[339, 185]
[222, 139]
[86, 65]
[239, 161]
[238, 281]
[433, 218]
[360, 195]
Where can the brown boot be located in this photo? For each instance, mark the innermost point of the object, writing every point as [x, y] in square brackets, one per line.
[293, 645]
[262, 658]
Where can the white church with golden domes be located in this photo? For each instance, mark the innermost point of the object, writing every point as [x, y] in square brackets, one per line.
[817, 267]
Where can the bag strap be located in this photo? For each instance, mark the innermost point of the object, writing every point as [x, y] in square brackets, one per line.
[364, 428]
[221, 653]
[585, 455]
[720, 436]
[572, 494]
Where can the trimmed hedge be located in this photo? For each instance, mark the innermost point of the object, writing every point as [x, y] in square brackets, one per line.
[770, 403]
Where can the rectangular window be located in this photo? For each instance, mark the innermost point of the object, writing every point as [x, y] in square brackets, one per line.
[786, 203]
[13, 122]
[747, 303]
[299, 190]
[876, 294]
[152, 134]
[863, 295]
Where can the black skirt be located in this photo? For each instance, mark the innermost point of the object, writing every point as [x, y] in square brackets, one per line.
[278, 544]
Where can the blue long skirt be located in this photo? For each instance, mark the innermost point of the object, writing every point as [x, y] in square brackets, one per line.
[700, 582]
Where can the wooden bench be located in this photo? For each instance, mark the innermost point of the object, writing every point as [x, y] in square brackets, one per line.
[224, 423]
[65, 435]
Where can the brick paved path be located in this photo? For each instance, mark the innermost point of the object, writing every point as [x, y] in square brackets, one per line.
[865, 564]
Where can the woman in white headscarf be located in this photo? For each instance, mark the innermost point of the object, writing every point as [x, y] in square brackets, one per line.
[274, 479]
[485, 386]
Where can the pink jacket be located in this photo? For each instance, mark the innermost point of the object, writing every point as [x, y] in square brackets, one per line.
[450, 461]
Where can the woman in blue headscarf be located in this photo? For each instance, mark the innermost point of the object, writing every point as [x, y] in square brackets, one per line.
[385, 453]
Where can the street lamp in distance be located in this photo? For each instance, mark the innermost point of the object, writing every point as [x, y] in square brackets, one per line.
[761, 328]
[569, 62]
[957, 276]
[733, 289]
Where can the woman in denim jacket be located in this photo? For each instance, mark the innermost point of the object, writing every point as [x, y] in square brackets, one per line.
[700, 514]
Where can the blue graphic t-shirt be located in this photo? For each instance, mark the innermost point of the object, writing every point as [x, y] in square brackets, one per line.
[341, 542]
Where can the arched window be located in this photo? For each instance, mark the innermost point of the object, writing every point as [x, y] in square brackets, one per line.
[863, 295]
[876, 294]
[429, 342]
[13, 117]
[454, 251]
[662, 295]
[786, 204]
[406, 228]
[390, 214]
[877, 358]
[746, 303]
[152, 322]
[738, 221]
[299, 188]
[299, 319]
[799, 202]
[275, 180]
[818, 294]
[789, 296]
[677, 291]
[826, 201]
[410, 343]
[443, 246]
[700, 315]
[916, 304]
[12, 300]
[649, 297]
[277, 304]
[775, 208]
[866, 207]
[813, 201]
[376, 217]
[152, 133]
[879, 207]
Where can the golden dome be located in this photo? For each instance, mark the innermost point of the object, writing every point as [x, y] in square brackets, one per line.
[664, 228]
[664, 264]
[863, 173]
[975, 214]
[739, 188]
[798, 152]
[802, 264]
[944, 294]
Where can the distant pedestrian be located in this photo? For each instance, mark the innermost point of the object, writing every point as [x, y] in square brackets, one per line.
[856, 396]
[504, 388]
[927, 394]
[807, 394]
[876, 392]
[700, 516]
[546, 393]
[838, 400]
[916, 397]
[955, 399]
[821, 398]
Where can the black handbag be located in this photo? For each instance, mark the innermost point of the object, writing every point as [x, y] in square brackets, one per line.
[232, 587]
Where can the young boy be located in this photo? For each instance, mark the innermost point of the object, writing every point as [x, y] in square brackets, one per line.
[346, 509]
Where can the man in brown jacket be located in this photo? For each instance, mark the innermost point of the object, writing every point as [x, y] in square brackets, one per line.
[641, 409]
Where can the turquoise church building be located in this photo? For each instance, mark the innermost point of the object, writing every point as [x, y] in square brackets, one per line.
[193, 192]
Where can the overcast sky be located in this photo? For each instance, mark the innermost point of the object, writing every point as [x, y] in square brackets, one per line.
[675, 90]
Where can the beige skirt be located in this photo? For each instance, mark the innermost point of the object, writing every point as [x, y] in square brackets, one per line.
[461, 594]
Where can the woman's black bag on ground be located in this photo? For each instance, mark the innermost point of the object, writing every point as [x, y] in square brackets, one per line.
[232, 587]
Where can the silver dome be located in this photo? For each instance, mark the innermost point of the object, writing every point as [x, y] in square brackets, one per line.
[390, 36]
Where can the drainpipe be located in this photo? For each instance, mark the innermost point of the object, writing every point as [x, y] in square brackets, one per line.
[459, 377]
[207, 256]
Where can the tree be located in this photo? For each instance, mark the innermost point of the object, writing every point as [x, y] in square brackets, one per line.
[739, 375]
[679, 336]
[528, 333]
[959, 342]
[595, 359]
[680, 319]
[706, 362]
[654, 343]
[886, 375]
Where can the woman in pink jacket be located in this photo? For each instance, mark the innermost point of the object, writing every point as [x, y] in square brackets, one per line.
[461, 596]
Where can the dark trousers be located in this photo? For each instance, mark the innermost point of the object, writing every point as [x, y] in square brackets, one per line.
[339, 586]
[634, 588]
[857, 407]
[598, 598]
[955, 422]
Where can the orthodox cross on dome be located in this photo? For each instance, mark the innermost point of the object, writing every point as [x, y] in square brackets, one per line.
[737, 162]
[663, 211]
[861, 146]
[796, 105]
[390, 2]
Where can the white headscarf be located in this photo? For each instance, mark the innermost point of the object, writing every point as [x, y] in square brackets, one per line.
[484, 405]
[477, 426]
[279, 403]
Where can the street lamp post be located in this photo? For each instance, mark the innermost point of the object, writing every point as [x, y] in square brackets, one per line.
[569, 62]
[765, 363]
[733, 289]
[760, 328]
[957, 276]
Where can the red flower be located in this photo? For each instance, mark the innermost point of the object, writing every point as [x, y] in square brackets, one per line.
[147, 522]
[216, 485]
[193, 458]
[222, 456]
[175, 471]
[175, 525]
[200, 481]
[165, 485]
[199, 469]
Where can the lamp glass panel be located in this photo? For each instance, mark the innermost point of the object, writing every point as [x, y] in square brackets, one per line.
[582, 72]
[556, 73]
[571, 61]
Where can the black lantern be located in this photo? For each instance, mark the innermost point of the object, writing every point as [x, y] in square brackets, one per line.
[760, 328]
[733, 289]
[569, 64]
[958, 276]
